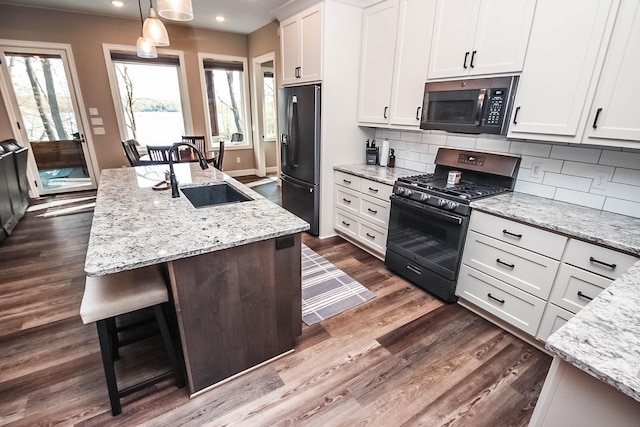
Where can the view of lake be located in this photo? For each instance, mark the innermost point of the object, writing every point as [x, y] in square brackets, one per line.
[159, 128]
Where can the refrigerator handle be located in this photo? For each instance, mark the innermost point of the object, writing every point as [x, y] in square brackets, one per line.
[293, 132]
[284, 150]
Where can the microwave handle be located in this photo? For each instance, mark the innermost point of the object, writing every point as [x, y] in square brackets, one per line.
[479, 105]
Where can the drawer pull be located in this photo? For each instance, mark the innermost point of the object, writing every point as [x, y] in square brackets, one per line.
[346, 181]
[596, 261]
[501, 301]
[413, 269]
[372, 211]
[371, 236]
[346, 200]
[375, 190]
[346, 223]
[499, 261]
[508, 233]
[580, 294]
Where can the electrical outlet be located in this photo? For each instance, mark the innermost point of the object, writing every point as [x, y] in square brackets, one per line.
[237, 159]
[600, 181]
[536, 170]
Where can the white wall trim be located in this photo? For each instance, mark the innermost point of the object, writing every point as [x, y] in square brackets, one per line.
[257, 105]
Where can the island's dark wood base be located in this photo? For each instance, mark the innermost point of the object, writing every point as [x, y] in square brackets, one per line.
[237, 307]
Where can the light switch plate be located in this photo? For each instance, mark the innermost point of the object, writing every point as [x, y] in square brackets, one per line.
[98, 131]
[600, 181]
[536, 170]
[93, 111]
[96, 121]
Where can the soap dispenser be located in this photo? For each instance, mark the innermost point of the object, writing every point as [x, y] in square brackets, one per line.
[392, 158]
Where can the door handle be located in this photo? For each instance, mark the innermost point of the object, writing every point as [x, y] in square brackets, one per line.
[595, 120]
[385, 112]
[473, 55]
[418, 113]
[515, 116]
[466, 56]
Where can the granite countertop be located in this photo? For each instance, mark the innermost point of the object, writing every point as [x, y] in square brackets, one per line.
[603, 339]
[381, 174]
[136, 226]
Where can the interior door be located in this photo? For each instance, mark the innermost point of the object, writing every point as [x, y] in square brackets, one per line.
[44, 103]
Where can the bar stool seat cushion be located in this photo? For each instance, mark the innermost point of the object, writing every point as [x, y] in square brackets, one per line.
[119, 293]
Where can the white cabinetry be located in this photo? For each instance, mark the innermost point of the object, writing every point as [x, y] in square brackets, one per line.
[566, 50]
[395, 56]
[362, 211]
[479, 37]
[301, 47]
[614, 115]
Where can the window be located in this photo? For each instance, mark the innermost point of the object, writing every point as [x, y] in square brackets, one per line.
[269, 107]
[226, 99]
[149, 98]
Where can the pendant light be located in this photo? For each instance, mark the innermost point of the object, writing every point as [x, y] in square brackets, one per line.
[154, 29]
[144, 46]
[176, 10]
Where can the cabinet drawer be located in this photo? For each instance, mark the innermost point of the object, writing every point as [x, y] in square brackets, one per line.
[375, 189]
[515, 233]
[510, 304]
[597, 259]
[345, 223]
[552, 319]
[372, 236]
[375, 210]
[348, 200]
[346, 180]
[574, 288]
[523, 269]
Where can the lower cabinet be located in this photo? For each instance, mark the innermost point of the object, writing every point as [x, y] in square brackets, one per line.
[361, 211]
[508, 273]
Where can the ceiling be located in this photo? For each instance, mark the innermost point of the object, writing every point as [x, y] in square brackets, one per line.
[242, 16]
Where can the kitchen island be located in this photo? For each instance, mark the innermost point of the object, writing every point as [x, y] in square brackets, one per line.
[234, 268]
[595, 376]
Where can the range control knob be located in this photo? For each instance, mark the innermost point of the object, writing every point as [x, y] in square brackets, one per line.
[451, 205]
[442, 202]
[424, 197]
[407, 192]
[399, 190]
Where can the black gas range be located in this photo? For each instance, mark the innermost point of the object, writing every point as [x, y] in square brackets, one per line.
[430, 215]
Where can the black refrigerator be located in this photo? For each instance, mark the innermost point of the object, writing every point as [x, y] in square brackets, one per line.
[299, 112]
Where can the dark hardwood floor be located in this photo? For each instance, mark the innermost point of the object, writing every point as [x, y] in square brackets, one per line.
[403, 358]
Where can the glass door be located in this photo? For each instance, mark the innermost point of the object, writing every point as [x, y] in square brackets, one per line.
[47, 110]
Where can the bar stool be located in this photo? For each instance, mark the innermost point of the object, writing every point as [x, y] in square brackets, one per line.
[105, 298]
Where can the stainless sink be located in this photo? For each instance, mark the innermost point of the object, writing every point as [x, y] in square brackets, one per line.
[215, 194]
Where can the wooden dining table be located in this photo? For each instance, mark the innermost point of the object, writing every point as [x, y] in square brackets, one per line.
[185, 154]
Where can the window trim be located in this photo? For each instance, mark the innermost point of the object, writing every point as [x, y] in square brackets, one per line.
[248, 137]
[273, 137]
[115, 91]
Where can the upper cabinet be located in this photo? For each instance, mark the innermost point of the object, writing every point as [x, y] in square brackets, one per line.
[614, 118]
[395, 56]
[301, 47]
[566, 50]
[477, 37]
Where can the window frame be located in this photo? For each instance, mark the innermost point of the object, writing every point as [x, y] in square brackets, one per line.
[115, 90]
[247, 142]
[274, 137]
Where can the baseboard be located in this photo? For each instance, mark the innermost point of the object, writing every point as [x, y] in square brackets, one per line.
[240, 172]
[271, 169]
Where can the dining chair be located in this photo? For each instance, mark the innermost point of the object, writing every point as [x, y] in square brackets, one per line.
[160, 153]
[236, 137]
[201, 144]
[131, 152]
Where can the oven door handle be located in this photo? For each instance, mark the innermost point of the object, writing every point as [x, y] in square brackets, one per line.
[423, 207]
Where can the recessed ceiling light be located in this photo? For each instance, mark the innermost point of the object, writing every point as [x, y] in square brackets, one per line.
[220, 18]
[117, 3]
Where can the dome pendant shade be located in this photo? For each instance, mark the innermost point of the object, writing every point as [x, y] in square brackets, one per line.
[176, 10]
[153, 29]
[145, 48]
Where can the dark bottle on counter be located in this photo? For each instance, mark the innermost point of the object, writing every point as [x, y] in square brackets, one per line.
[392, 158]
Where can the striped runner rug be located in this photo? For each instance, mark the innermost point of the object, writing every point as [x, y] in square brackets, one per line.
[327, 290]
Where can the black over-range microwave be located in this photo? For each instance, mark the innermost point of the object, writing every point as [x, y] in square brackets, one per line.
[469, 106]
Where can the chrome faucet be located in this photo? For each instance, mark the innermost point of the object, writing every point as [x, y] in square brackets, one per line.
[172, 175]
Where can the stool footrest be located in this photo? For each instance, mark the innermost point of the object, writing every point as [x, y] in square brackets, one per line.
[130, 390]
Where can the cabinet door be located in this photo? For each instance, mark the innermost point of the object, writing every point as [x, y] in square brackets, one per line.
[453, 32]
[290, 47]
[415, 24]
[562, 58]
[501, 36]
[311, 44]
[376, 66]
[615, 103]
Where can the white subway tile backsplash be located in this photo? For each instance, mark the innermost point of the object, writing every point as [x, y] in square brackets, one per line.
[417, 146]
[535, 189]
[493, 145]
[621, 159]
[530, 148]
[433, 149]
[397, 145]
[461, 142]
[577, 154]
[525, 175]
[566, 181]
[623, 207]
[411, 136]
[430, 138]
[620, 191]
[627, 176]
[586, 170]
[580, 198]
[417, 166]
[408, 155]
[429, 159]
[391, 134]
[431, 168]
[548, 165]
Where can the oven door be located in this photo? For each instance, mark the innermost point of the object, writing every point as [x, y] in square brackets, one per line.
[430, 237]
[453, 110]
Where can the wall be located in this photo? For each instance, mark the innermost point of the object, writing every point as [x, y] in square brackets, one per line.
[86, 33]
[567, 171]
[5, 126]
